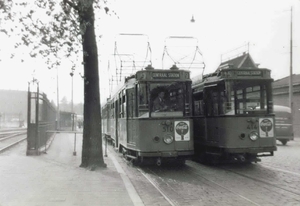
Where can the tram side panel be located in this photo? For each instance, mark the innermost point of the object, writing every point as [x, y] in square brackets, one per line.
[233, 132]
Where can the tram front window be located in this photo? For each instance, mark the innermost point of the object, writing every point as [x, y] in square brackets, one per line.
[167, 99]
[235, 99]
[250, 98]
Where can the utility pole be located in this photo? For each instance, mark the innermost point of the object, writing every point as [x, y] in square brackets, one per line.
[57, 112]
[72, 104]
[291, 65]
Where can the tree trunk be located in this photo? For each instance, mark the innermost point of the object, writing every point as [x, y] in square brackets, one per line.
[92, 154]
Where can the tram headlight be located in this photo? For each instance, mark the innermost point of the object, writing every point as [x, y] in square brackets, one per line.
[168, 139]
[253, 136]
[168, 122]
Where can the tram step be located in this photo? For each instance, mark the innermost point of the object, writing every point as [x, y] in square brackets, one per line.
[213, 153]
[131, 157]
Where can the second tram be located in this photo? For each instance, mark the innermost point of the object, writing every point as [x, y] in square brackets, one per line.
[233, 115]
[149, 116]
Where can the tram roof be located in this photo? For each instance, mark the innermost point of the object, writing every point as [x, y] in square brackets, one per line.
[151, 74]
[232, 73]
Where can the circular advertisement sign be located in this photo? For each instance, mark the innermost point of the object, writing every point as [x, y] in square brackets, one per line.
[266, 125]
[182, 129]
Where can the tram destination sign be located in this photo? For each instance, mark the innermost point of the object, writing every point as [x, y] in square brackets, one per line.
[165, 75]
[248, 73]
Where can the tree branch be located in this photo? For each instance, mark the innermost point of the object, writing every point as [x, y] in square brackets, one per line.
[71, 4]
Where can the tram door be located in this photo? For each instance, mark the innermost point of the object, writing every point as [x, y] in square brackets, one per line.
[117, 122]
[131, 113]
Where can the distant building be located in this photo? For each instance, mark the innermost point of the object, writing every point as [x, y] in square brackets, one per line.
[243, 61]
[281, 97]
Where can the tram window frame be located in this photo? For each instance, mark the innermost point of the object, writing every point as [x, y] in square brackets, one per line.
[142, 99]
[198, 104]
[251, 98]
[214, 104]
[120, 105]
[131, 103]
[175, 99]
[124, 113]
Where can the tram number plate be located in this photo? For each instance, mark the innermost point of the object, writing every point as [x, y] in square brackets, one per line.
[168, 128]
[252, 126]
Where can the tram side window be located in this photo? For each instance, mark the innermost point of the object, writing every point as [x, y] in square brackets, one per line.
[124, 104]
[222, 103]
[215, 97]
[216, 102]
[199, 104]
[131, 103]
[212, 103]
[142, 99]
[112, 111]
[120, 106]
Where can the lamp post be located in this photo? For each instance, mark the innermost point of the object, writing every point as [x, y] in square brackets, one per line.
[57, 112]
[291, 65]
[193, 19]
[72, 106]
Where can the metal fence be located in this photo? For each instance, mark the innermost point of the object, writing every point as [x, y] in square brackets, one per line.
[41, 118]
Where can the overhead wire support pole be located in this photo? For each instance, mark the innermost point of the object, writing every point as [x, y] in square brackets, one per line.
[57, 112]
[291, 65]
[72, 102]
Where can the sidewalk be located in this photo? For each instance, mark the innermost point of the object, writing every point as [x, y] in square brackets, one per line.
[55, 178]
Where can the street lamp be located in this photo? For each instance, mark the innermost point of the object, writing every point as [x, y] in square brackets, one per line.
[193, 20]
[57, 93]
[72, 106]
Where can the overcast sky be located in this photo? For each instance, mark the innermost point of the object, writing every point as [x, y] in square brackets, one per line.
[220, 26]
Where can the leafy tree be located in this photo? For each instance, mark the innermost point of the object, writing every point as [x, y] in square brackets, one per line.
[59, 31]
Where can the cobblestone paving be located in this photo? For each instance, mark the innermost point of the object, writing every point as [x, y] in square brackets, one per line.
[287, 157]
[252, 184]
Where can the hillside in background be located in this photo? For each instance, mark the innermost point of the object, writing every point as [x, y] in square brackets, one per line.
[13, 104]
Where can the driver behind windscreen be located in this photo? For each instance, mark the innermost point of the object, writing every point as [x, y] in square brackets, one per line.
[159, 102]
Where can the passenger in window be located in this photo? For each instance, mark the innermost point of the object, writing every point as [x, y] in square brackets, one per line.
[159, 103]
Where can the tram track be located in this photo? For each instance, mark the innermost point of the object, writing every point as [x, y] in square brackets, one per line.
[218, 188]
[172, 203]
[281, 170]
[10, 138]
[275, 185]
[236, 187]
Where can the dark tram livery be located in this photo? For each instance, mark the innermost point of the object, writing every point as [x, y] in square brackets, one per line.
[149, 116]
[233, 115]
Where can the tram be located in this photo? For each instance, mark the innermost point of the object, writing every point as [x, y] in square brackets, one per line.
[233, 115]
[148, 117]
[284, 124]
